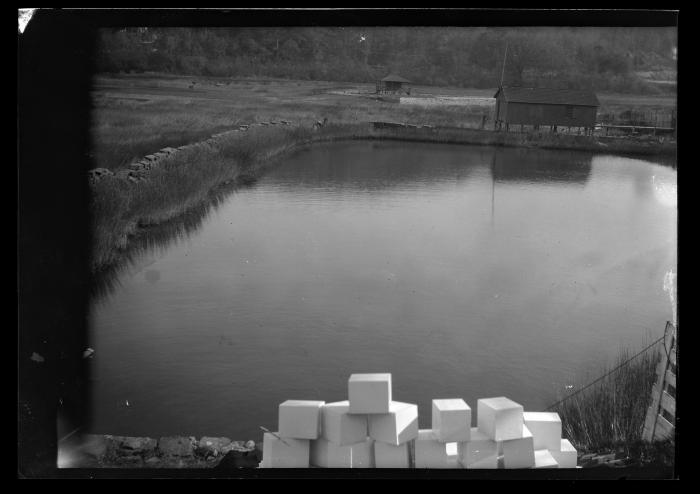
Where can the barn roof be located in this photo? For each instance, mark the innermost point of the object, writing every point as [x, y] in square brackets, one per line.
[394, 78]
[549, 96]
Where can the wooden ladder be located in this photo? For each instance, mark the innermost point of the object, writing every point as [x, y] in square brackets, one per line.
[661, 416]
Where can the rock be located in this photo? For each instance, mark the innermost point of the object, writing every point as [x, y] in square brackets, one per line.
[239, 459]
[212, 446]
[97, 174]
[129, 461]
[94, 446]
[176, 446]
[152, 461]
[127, 446]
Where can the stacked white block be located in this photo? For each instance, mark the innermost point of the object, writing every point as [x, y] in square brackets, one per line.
[397, 426]
[326, 454]
[340, 427]
[566, 456]
[479, 452]
[499, 418]
[300, 419]
[430, 452]
[452, 420]
[287, 452]
[544, 459]
[545, 428]
[519, 452]
[369, 393]
[390, 456]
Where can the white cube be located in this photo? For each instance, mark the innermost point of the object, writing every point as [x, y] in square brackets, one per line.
[452, 420]
[519, 453]
[390, 456]
[544, 459]
[369, 393]
[300, 419]
[430, 452]
[499, 418]
[545, 428]
[341, 427]
[326, 454]
[397, 426]
[285, 452]
[480, 450]
[566, 456]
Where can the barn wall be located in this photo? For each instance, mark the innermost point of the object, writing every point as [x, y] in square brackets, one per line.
[542, 114]
[502, 108]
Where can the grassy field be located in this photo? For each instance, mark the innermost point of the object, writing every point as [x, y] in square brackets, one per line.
[136, 115]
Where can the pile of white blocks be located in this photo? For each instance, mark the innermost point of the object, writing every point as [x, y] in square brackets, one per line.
[370, 430]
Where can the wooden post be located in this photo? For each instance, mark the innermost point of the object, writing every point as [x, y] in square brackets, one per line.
[660, 419]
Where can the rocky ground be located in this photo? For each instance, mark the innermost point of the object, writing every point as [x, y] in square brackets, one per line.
[105, 451]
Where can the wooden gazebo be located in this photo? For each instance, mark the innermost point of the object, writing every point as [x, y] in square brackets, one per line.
[393, 84]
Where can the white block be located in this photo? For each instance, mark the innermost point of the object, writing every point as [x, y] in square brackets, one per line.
[300, 419]
[390, 456]
[397, 426]
[499, 418]
[480, 450]
[567, 456]
[490, 463]
[325, 454]
[545, 428]
[452, 420]
[341, 427]
[519, 453]
[544, 459]
[285, 452]
[369, 393]
[430, 452]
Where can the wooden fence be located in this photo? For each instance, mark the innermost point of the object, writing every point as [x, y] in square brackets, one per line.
[661, 416]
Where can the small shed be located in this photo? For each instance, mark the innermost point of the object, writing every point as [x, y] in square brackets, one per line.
[393, 84]
[545, 106]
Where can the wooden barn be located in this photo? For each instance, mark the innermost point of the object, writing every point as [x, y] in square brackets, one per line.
[547, 107]
[393, 84]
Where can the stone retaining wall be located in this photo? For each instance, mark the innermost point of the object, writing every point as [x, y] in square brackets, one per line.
[107, 451]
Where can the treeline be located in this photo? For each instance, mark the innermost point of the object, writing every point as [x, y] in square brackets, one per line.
[597, 58]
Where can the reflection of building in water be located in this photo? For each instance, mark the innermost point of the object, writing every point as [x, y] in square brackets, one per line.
[531, 165]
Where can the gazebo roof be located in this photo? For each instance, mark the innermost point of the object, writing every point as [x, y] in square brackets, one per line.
[394, 78]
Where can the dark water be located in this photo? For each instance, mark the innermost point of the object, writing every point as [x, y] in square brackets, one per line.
[464, 271]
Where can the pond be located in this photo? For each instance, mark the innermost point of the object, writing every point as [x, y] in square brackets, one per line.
[464, 271]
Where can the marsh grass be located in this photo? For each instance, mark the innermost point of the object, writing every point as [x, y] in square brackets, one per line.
[610, 414]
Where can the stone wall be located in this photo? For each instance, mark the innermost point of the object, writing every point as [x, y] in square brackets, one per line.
[106, 451]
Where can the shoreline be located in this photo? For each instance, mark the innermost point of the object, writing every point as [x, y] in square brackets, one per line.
[241, 156]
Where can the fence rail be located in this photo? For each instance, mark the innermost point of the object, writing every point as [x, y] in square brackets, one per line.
[661, 416]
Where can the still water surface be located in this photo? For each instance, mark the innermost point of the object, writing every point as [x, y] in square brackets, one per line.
[464, 271]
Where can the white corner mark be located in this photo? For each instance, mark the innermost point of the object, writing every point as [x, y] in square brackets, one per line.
[23, 18]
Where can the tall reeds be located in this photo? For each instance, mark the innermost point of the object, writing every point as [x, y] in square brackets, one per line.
[610, 414]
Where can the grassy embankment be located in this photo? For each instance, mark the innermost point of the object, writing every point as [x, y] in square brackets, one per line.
[609, 416]
[135, 116]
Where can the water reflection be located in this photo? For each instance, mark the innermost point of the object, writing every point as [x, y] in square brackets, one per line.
[460, 269]
[531, 166]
